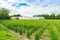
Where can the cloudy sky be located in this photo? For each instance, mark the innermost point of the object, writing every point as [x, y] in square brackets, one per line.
[31, 7]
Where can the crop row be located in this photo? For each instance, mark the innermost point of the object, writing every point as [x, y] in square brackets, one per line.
[34, 28]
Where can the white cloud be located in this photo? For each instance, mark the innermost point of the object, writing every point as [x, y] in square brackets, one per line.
[31, 10]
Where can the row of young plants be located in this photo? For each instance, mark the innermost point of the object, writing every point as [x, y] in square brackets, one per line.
[34, 27]
[29, 29]
[6, 34]
[54, 30]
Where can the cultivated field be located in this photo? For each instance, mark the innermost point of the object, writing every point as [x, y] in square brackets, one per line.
[31, 29]
[6, 34]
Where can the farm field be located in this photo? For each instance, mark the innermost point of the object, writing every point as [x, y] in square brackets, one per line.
[6, 35]
[31, 29]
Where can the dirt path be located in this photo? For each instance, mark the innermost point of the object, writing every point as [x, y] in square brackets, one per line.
[45, 35]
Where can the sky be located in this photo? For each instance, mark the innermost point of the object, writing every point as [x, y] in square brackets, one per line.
[31, 7]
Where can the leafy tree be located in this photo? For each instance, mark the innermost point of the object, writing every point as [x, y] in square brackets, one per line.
[58, 16]
[4, 13]
[52, 16]
[46, 16]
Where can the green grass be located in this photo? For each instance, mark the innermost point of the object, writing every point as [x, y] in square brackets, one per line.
[33, 28]
[6, 35]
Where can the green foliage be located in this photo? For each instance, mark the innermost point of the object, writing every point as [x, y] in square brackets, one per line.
[4, 13]
[52, 16]
[58, 16]
[37, 37]
[47, 16]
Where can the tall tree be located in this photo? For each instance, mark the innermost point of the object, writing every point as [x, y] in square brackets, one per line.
[52, 16]
[58, 16]
[46, 16]
[4, 13]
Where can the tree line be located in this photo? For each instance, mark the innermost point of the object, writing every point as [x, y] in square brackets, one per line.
[47, 16]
